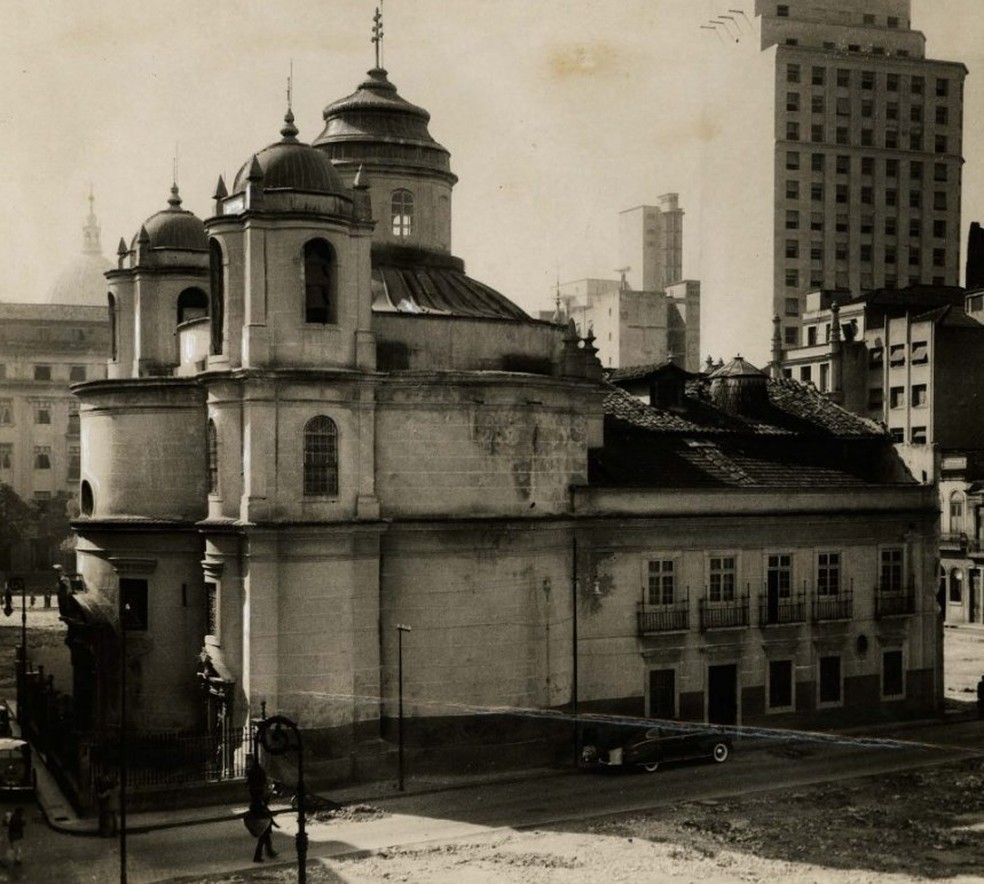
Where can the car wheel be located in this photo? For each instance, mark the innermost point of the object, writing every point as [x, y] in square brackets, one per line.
[720, 752]
[650, 767]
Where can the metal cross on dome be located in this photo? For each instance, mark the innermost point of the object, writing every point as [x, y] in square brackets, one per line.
[377, 32]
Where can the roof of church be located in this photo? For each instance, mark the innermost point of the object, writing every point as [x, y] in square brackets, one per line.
[173, 228]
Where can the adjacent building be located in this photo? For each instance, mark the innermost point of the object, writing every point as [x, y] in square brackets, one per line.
[834, 162]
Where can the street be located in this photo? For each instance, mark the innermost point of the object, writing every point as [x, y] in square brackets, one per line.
[756, 765]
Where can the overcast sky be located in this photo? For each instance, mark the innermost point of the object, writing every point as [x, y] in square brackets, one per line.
[557, 113]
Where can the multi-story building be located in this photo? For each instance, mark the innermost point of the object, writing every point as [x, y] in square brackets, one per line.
[317, 432]
[835, 161]
[651, 314]
[44, 349]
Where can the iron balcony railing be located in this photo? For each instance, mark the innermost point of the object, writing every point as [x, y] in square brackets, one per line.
[663, 618]
[781, 611]
[835, 606]
[730, 614]
[954, 540]
[896, 603]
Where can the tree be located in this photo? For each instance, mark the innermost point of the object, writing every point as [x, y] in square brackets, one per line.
[17, 520]
[52, 526]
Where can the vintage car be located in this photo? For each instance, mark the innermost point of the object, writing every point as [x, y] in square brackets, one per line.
[659, 745]
[16, 772]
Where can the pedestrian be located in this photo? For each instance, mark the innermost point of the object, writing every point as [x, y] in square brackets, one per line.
[14, 823]
[33, 598]
[107, 800]
[260, 822]
[980, 698]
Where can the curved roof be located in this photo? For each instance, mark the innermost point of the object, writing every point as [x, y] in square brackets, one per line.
[738, 368]
[173, 228]
[375, 126]
[289, 164]
[416, 281]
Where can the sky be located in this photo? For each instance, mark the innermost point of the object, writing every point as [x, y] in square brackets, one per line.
[557, 113]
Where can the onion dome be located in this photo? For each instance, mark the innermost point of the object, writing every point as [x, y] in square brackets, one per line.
[290, 164]
[173, 228]
[375, 126]
[82, 282]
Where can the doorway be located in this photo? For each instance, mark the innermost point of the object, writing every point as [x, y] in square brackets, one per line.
[722, 694]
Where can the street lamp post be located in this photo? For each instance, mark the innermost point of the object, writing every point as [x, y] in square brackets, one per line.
[278, 735]
[400, 629]
[124, 611]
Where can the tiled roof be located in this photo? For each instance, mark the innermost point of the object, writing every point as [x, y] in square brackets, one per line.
[634, 372]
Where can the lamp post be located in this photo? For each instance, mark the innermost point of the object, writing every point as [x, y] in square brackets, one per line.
[124, 617]
[278, 735]
[400, 629]
[15, 584]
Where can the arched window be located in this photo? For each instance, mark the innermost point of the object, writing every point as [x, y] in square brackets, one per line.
[319, 282]
[320, 457]
[86, 503]
[217, 286]
[402, 213]
[113, 329]
[212, 457]
[192, 304]
[956, 586]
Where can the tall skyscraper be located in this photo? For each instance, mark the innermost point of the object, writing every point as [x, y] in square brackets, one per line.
[834, 160]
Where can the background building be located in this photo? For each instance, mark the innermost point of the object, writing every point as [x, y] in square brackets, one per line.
[839, 145]
[44, 348]
[651, 314]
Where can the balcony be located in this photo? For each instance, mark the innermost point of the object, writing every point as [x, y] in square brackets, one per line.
[894, 604]
[731, 614]
[781, 611]
[954, 541]
[655, 619]
[837, 606]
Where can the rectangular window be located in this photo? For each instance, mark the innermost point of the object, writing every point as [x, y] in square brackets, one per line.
[816, 104]
[792, 160]
[892, 82]
[915, 199]
[816, 132]
[916, 113]
[6, 412]
[891, 168]
[721, 587]
[73, 418]
[891, 139]
[840, 251]
[792, 73]
[896, 355]
[211, 609]
[920, 352]
[843, 107]
[841, 135]
[893, 21]
[915, 141]
[918, 85]
[916, 170]
[891, 110]
[792, 101]
[867, 137]
[6, 455]
[915, 228]
[866, 252]
[830, 679]
[661, 582]
[792, 220]
[134, 599]
[893, 683]
[792, 190]
[780, 684]
[828, 573]
[890, 579]
[891, 228]
[940, 144]
[817, 162]
[816, 221]
[897, 434]
[867, 224]
[942, 87]
[896, 397]
[824, 377]
[792, 248]
[939, 200]
[818, 76]
[942, 115]
[782, 11]
[74, 462]
[811, 340]
[939, 172]
[792, 306]
[792, 277]
[841, 224]
[816, 192]
[891, 197]
[939, 257]
[42, 372]
[868, 18]
[867, 108]
[42, 412]
[42, 457]
[843, 77]
[76, 373]
[790, 336]
[867, 165]
[918, 436]
[867, 79]
[867, 195]
[919, 398]
[806, 371]
[843, 165]
[915, 257]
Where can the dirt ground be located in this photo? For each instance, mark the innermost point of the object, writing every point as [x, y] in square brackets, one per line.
[914, 826]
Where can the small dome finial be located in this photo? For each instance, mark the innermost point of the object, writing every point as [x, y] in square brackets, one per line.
[174, 200]
[289, 130]
[377, 35]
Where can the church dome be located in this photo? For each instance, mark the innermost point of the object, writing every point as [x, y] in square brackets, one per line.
[174, 228]
[375, 126]
[290, 164]
[82, 281]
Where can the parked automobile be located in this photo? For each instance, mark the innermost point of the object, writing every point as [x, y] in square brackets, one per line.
[16, 773]
[659, 745]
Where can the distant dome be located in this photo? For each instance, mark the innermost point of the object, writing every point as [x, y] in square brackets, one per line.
[376, 127]
[82, 283]
[291, 165]
[174, 228]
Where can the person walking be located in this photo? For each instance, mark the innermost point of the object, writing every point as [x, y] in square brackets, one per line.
[14, 823]
[260, 822]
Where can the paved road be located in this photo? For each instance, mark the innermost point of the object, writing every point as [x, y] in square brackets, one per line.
[415, 818]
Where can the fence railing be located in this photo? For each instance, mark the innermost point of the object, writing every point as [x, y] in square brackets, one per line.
[731, 614]
[894, 604]
[671, 618]
[838, 606]
[782, 611]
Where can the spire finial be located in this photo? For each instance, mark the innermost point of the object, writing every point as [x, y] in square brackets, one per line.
[289, 131]
[377, 33]
[174, 200]
[90, 232]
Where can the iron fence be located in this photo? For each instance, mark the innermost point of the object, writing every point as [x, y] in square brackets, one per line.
[839, 606]
[781, 611]
[731, 614]
[671, 618]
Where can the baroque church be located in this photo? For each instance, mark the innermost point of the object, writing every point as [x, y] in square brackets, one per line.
[316, 429]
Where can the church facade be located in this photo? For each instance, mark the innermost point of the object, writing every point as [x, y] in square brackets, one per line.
[317, 428]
